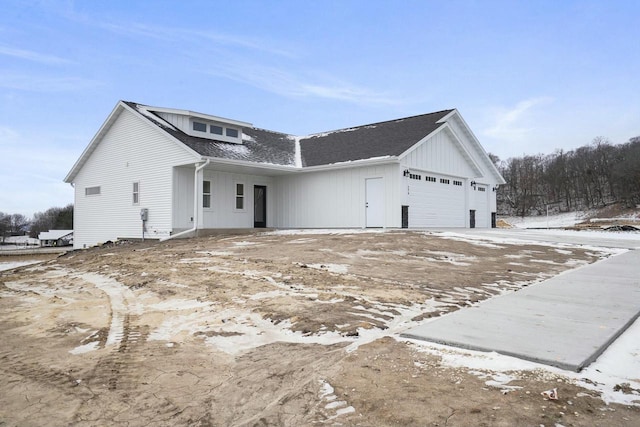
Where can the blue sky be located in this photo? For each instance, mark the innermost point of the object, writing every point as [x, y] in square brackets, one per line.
[528, 76]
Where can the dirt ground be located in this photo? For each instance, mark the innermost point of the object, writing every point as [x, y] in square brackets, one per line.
[271, 329]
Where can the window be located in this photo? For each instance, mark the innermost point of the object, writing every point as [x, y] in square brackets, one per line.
[239, 196]
[200, 127]
[457, 183]
[136, 193]
[91, 191]
[444, 181]
[206, 194]
[415, 176]
[482, 189]
[430, 178]
[215, 129]
[233, 133]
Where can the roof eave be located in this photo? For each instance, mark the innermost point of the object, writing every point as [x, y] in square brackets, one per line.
[351, 163]
[94, 142]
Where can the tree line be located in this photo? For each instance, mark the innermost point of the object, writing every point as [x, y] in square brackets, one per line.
[592, 176]
[51, 219]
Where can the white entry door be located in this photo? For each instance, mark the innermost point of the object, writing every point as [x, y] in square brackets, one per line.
[374, 202]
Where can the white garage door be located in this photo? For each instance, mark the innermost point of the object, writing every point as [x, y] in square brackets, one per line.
[481, 197]
[436, 201]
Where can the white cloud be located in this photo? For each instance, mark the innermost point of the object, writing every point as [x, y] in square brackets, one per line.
[516, 123]
[190, 37]
[283, 83]
[45, 84]
[29, 55]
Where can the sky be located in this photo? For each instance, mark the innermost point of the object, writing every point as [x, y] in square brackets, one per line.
[528, 77]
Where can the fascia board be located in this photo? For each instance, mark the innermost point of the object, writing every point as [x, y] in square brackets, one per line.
[94, 141]
[479, 146]
[448, 116]
[465, 152]
[199, 115]
[246, 163]
[352, 164]
[295, 169]
[157, 128]
[446, 127]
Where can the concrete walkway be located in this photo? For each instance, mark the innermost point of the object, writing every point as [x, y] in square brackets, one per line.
[566, 321]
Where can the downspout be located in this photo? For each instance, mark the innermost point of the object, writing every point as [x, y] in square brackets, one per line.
[196, 202]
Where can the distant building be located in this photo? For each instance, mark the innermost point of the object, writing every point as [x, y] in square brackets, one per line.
[56, 238]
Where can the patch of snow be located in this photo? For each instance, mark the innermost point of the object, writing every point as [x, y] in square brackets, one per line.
[145, 112]
[119, 295]
[332, 268]
[215, 253]
[567, 219]
[245, 243]
[620, 363]
[85, 348]
[232, 147]
[323, 231]
[4, 266]
[298, 152]
[246, 137]
[179, 304]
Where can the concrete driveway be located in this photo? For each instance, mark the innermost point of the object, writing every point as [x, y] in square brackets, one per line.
[566, 321]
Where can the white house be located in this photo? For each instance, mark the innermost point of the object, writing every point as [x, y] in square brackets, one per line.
[56, 238]
[167, 172]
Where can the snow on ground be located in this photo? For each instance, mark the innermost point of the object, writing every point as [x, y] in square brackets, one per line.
[619, 364]
[338, 231]
[552, 221]
[15, 264]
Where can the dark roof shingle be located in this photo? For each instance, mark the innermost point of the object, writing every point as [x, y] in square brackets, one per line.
[390, 138]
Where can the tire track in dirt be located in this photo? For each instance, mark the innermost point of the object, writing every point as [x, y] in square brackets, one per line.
[31, 368]
[119, 373]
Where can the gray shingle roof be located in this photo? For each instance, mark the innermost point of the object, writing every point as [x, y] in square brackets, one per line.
[261, 146]
[390, 138]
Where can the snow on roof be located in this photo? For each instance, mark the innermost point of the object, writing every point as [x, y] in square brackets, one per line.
[372, 141]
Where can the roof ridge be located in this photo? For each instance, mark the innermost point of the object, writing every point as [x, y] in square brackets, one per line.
[376, 123]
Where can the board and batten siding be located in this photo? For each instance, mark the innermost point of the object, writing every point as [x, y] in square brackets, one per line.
[223, 212]
[439, 154]
[178, 120]
[130, 151]
[334, 199]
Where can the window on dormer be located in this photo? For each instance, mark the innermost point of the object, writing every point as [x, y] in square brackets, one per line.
[217, 130]
[233, 133]
[200, 127]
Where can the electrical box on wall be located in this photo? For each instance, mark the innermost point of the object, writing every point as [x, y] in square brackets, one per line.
[144, 214]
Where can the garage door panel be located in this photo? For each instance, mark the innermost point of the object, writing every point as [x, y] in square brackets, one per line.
[436, 204]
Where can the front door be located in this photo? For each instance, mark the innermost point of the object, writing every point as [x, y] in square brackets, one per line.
[259, 206]
[374, 203]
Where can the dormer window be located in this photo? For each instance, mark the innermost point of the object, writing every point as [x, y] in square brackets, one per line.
[199, 126]
[203, 126]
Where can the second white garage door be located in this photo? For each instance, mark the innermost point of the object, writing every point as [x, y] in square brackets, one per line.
[436, 201]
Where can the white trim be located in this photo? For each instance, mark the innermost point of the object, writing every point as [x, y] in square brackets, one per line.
[198, 115]
[135, 193]
[244, 196]
[210, 194]
[465, 153]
